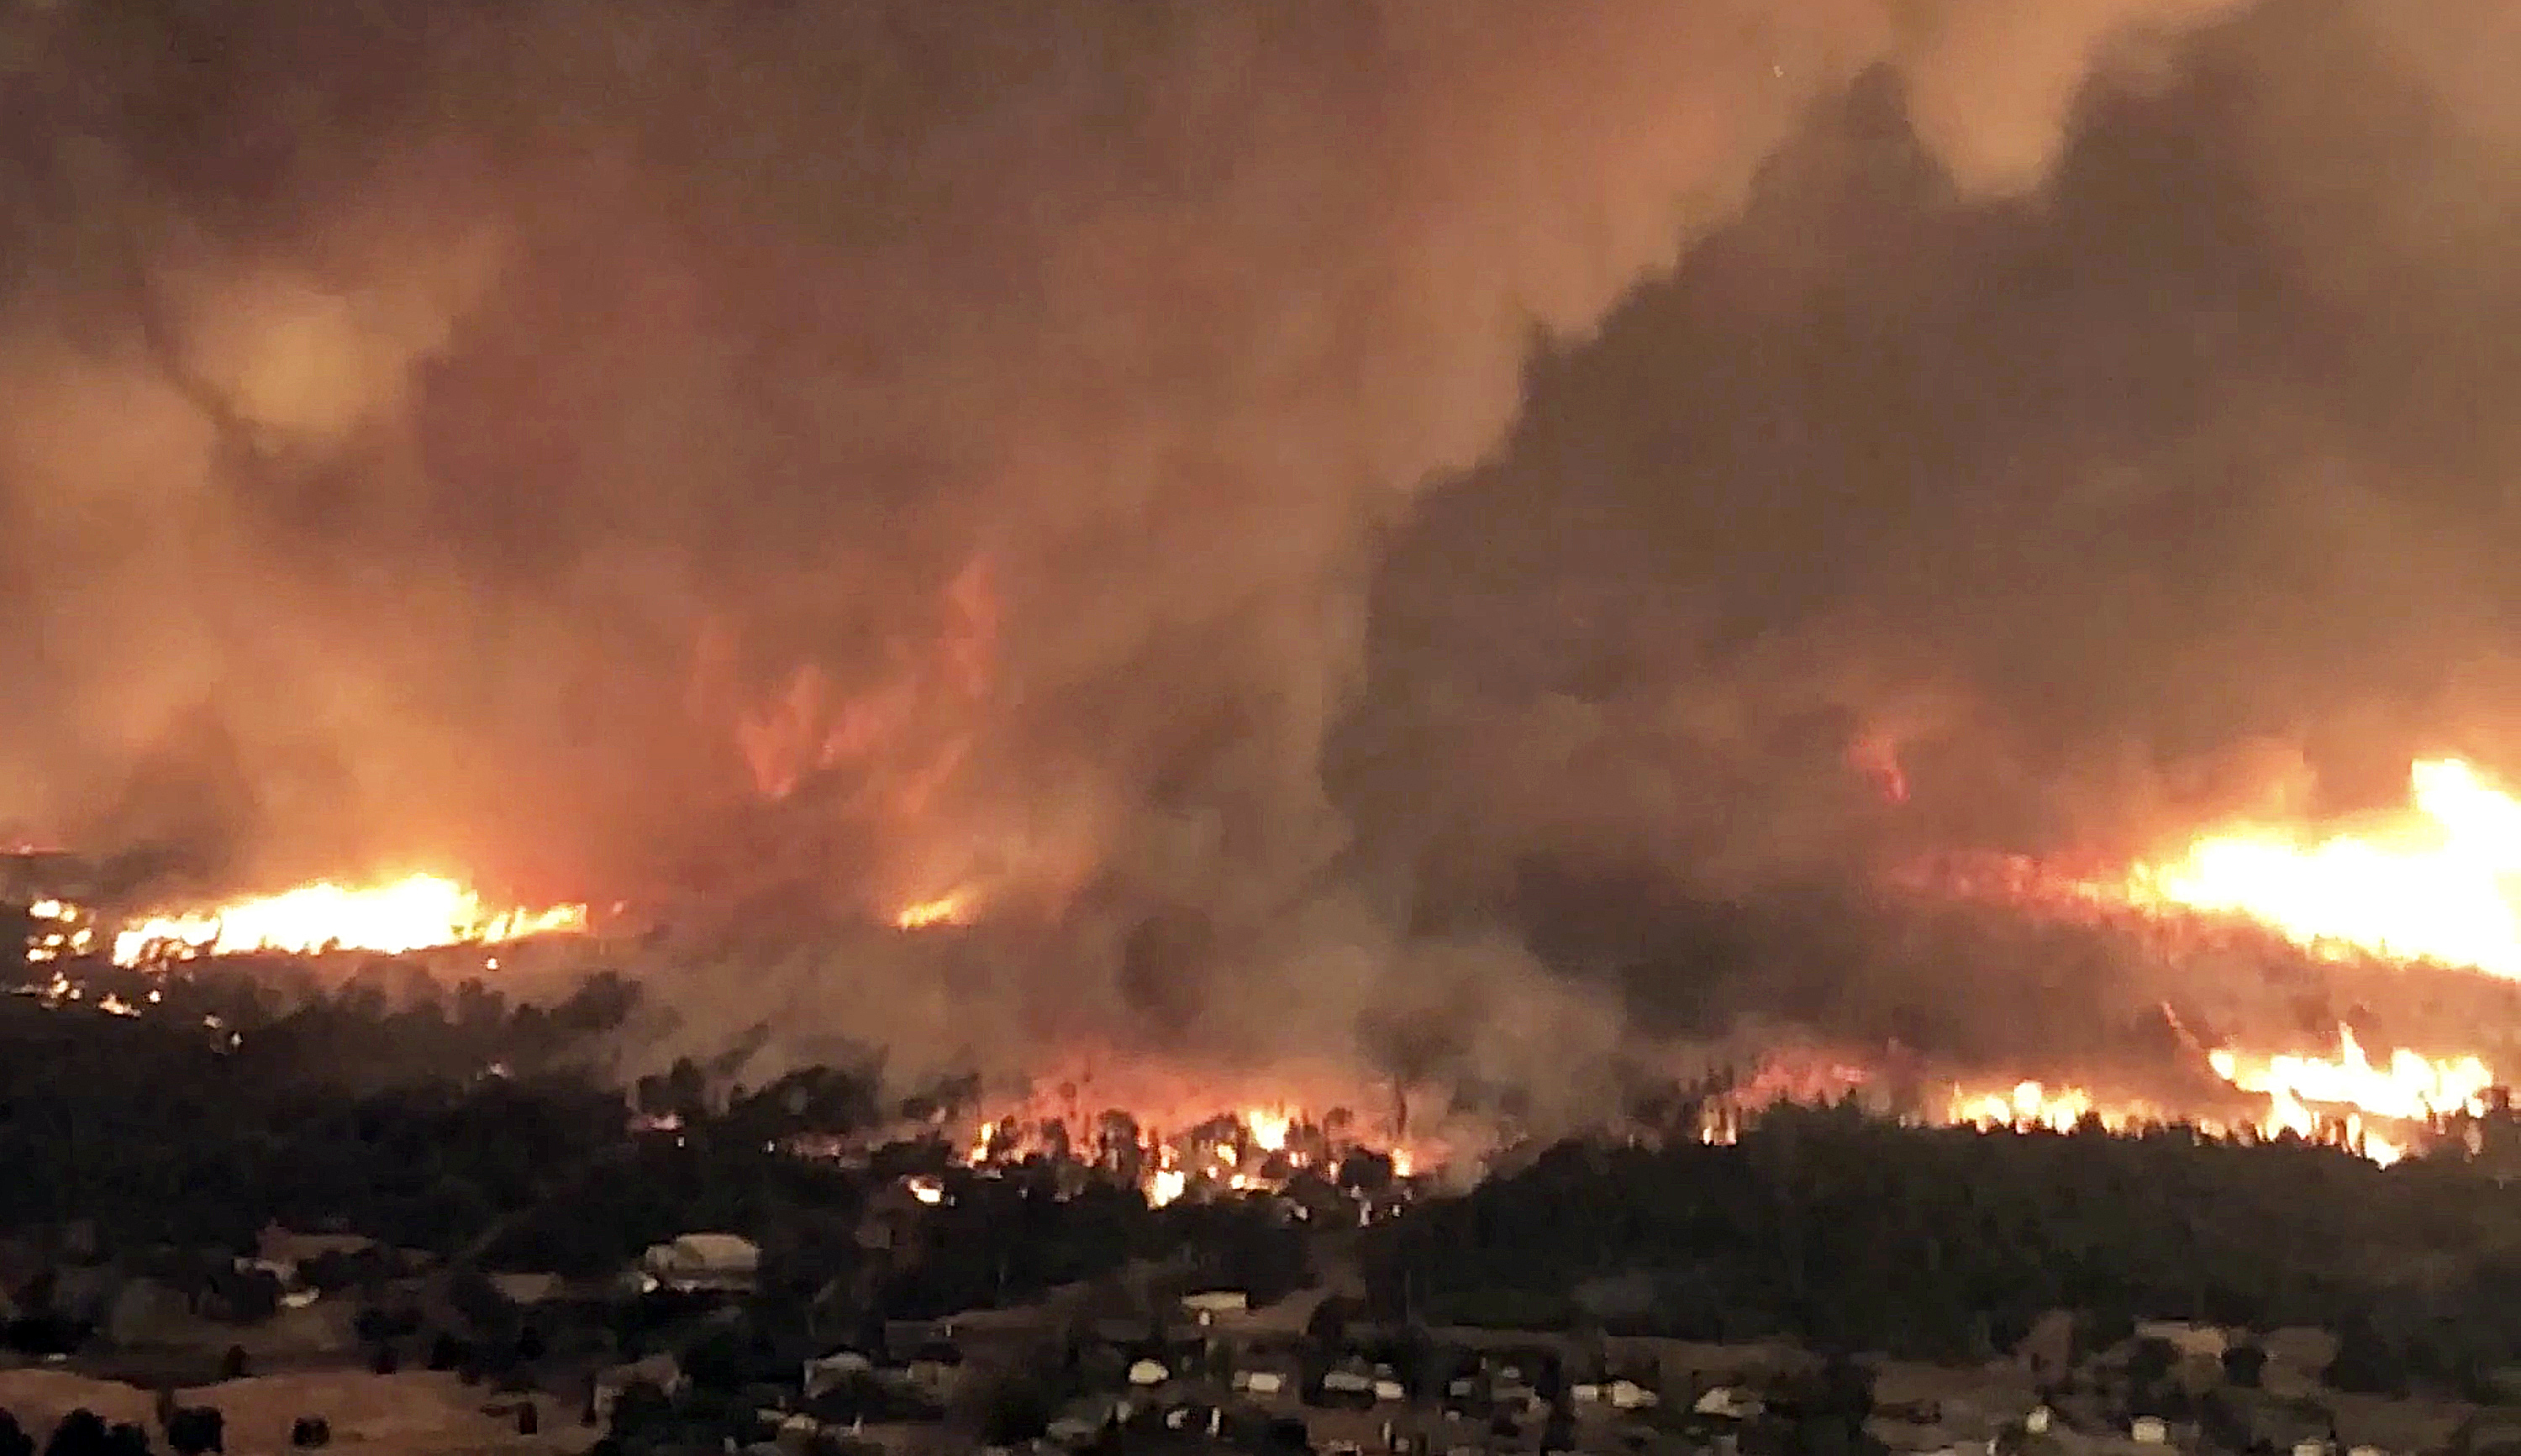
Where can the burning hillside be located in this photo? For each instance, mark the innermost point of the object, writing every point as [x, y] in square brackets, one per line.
[2394, 913]
[1170, 1120]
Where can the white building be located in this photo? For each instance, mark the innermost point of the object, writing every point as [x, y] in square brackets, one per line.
[703, 1261]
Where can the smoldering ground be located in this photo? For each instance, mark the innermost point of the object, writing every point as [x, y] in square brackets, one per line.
[1096, 455]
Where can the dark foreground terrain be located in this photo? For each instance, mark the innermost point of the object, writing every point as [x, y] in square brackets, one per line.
[222, 1192]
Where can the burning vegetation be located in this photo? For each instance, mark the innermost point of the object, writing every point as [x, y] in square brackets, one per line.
[1208, 1156]
[422, 912]
[2435, 882]
[2413, 895]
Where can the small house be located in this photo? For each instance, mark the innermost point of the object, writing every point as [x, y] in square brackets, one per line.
[1349, 1386]
[661, 1371]
[1729, 1403]
[835, 1370]
[527, 1289]
[282, 1251]
[1206, 1307]
[696, 1262]
[2207, 1340]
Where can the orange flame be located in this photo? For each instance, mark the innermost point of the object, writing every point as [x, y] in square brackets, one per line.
[2030, 1105]
[418, 913]
[2439, 880]
[2411, 1088]
[2323, 1099]
[944, 910]
[1268, 1127]
[2436, 884]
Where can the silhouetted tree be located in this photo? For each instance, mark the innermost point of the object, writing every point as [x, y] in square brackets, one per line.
[716, 1361]
[81, 1433]
[2150, 1361]
[196, 1429]
[1018, 1411]
[2367, 1363]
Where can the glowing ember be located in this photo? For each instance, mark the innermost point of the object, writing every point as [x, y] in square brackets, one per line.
[60, 931]
[2438, 884]
[944, 910]
[418, 913]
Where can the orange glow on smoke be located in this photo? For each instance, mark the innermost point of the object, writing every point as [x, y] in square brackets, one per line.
[1877, 759]
[2436, 882]
[895, 730]
[418, 913]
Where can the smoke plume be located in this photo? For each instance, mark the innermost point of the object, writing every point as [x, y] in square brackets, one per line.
[1243, 493]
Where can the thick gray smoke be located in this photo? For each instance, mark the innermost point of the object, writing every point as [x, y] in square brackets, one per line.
[886, 448]
[2173, 489]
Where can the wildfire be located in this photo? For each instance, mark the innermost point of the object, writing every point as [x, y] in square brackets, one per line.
[2438, 880]
[1268, 1127]
[2028, 1107]
[2436, 884]
[2336, 1100]
[1175, 1136]
[2411, 1088]
[418, 913]
[944, 910]
[61, 931]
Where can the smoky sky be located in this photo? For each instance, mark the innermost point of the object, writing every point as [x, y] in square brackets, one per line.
[1238, 484]
[2175, 486]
